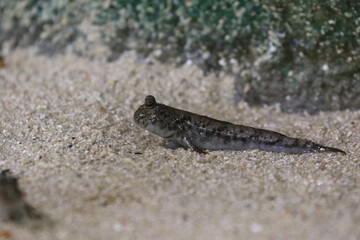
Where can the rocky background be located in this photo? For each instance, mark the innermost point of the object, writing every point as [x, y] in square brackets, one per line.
[301, 54]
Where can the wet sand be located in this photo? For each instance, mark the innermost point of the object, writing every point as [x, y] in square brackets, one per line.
[67, 133]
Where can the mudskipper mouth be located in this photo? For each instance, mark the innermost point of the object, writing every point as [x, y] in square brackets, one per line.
[138, 116]
[140, 120]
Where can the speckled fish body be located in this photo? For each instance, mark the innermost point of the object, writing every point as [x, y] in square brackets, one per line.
[192, 131]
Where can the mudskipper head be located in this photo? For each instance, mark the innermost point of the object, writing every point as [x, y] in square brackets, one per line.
[156, 118]
[146, 113]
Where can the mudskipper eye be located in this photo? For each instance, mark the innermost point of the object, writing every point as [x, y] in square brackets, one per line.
[150, 101]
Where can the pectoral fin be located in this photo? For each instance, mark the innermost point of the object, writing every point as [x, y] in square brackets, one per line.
[189, 144]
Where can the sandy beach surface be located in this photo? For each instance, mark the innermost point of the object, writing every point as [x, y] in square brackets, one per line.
[67, 132]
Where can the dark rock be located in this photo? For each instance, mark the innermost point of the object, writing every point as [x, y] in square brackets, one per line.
[14, 208]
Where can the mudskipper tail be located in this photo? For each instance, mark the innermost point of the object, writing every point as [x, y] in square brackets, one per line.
[320, 148]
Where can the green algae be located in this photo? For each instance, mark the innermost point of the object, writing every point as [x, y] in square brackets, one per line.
[304, 55]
